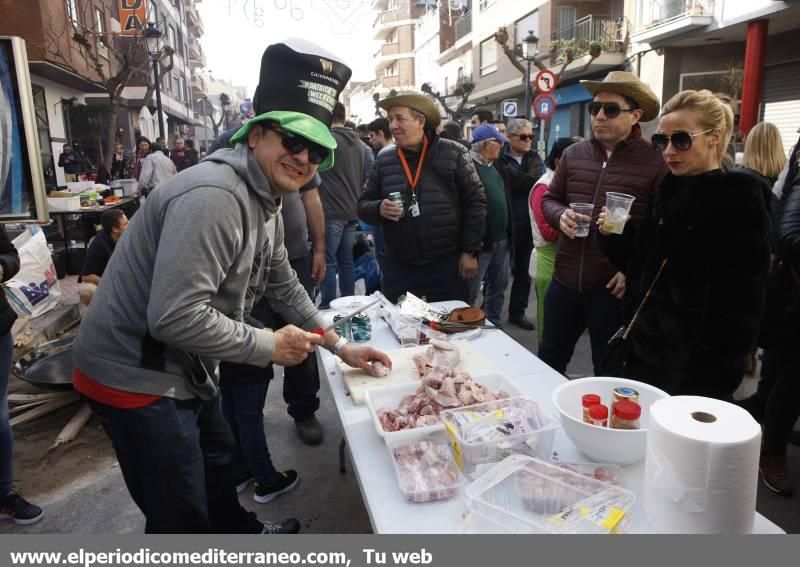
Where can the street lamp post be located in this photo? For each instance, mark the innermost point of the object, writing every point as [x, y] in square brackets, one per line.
[152, 36]
[528, 53]
[225, 103]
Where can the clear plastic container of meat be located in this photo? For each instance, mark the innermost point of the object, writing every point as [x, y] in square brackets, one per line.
[489, 432]
[526, 495]
[425, 470]
[604, 472]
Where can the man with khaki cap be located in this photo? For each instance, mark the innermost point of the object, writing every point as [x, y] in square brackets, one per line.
[586, 290]
[434, 238]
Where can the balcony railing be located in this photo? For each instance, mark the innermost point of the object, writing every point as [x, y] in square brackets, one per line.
[587, 35]
[653, 13]
[386, 17]
[463, 25]
[458, 88]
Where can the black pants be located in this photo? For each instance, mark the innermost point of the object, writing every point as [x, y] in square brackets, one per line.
[783, 403]
[520, 261]
[567, 313]
[301, 382]
[175, 457]
[437, 281]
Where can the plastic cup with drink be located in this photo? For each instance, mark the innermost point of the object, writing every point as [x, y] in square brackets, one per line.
[618, 207]
[584, 220]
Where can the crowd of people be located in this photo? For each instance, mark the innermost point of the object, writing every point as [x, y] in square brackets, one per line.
[223, 261]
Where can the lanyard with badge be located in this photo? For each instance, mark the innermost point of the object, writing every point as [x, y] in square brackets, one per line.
[414, 208]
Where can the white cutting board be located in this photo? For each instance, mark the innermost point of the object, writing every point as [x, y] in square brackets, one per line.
[403, 369]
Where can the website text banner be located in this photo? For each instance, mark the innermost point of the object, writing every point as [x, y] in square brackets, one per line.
[395, 551]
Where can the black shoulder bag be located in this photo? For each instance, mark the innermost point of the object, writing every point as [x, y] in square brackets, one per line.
[619, 345]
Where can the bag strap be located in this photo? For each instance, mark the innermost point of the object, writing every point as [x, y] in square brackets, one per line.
[644, 300]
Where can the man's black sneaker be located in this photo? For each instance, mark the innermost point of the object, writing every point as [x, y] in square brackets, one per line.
[287, 526]
[242, 482]
[310, 431]
[522, 321]
[284, 482]
[16, 508]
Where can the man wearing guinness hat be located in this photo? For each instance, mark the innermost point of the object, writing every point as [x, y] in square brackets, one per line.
[433, 238]
[196, 256]
[586, 290]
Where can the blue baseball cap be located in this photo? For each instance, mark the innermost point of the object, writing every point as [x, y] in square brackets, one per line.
[487, 132]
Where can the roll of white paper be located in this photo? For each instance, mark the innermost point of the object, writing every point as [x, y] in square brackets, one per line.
[701, 468]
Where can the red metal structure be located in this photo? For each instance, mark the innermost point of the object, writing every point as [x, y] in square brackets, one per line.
[753, 81]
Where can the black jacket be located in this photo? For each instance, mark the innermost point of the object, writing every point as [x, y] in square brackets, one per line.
[9, 260]
[522, 177]
[451, 198]
[703, 316]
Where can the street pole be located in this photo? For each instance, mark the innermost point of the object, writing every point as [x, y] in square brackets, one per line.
[528, 90]
[205, 126]
[542, 153]
[158, 98]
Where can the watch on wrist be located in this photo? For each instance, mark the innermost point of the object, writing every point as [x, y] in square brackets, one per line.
[338, 346]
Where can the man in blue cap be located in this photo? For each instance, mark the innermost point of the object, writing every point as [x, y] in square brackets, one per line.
[198, 254]
[493, 261]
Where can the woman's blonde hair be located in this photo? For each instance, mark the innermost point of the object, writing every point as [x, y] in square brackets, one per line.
[763, 150]
[712, 114]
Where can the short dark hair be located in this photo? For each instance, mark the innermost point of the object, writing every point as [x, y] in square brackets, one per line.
[499, 122]
[484, 115]
[363, 129]
[141, 139]
[110, 219]
[380, 125]
[631, 103]
[452, 131]
[189, 143]
[557, 150]
[155, 147]
[339, 113]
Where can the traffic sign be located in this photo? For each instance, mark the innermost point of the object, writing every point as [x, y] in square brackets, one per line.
[544, 106]
[510, 107]
[545, 81]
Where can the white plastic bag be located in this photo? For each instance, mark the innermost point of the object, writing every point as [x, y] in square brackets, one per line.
[35, 289]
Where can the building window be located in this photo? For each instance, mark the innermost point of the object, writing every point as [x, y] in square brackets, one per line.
[73, 12]
[486, 3]
[488, 56]
[176, 86]
[100, 29]
[525, 25]
[43, 126]
[566, 22]
[172, 43]
[152, 13]
[180, 47]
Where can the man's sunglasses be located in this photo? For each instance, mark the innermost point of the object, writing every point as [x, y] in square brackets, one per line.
[611, 109]
[681, 140]
[523, 137]
[295, 144]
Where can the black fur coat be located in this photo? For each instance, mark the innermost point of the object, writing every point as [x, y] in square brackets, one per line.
[703, 316]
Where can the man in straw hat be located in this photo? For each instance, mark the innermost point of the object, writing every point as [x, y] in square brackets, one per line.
[203, 248]
[433, 239]
[586, 290]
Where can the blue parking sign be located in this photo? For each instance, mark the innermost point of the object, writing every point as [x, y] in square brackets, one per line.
[544, 107]
[510, 108]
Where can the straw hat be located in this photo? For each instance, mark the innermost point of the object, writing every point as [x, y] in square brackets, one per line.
[418, 102]
[629, 85]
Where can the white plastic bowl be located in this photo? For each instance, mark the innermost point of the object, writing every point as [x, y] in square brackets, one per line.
[603, 444]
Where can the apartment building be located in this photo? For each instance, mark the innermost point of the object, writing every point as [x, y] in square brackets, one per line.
[703, 44]
[393, 30]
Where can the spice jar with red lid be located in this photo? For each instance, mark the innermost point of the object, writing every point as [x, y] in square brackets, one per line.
[587, 401]
[626, 415]
[598, 415]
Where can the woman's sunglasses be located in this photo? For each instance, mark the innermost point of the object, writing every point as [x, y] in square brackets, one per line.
[296, 144]
[681, 140]
[523, 137]
[611, 109]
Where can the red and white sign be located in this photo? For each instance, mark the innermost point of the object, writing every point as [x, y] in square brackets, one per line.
[544, 107]
[545, 81]
[132, 16]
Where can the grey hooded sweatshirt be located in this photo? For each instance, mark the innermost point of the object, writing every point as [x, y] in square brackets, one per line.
[205, 245]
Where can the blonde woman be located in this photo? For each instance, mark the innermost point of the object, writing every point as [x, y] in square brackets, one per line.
[706, 232]
[763, 151]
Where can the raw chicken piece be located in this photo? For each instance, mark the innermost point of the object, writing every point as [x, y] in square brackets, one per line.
[379, 370]
[447, 401]
[465, 395]
[421, 364]
[448, 386]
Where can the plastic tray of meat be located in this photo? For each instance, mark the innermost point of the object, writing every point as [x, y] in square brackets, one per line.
[404, 412]
[425, 470]
[526, 495]
[605, 472]
[488, 433]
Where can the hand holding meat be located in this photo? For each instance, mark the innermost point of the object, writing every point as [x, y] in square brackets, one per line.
[367, 359]
[292, 345]
[391, 210]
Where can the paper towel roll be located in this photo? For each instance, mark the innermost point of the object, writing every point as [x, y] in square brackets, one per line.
[701, 468]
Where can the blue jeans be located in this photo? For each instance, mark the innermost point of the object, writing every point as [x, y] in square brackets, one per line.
[567, 313]
[243, 407]
[493, 266]
[6, 436]
[175, 456]
[339, 241]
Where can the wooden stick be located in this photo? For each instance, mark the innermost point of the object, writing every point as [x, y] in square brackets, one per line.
[44, 409]
[74, 426]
